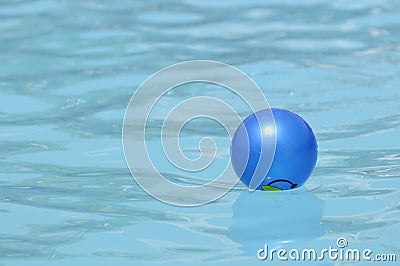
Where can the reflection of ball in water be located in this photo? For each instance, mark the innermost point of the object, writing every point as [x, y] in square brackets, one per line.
[295, 151]
[276, 219]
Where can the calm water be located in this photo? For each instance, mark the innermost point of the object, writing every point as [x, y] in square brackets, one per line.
[68, 70]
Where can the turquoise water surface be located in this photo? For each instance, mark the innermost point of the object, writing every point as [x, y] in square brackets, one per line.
[69, 68]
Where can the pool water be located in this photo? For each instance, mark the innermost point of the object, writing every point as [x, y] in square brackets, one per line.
[69, 68]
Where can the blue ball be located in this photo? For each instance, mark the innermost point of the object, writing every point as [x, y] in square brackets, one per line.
[295, 150]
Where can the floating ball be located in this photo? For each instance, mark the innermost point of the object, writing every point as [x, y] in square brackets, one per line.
[294, 157]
